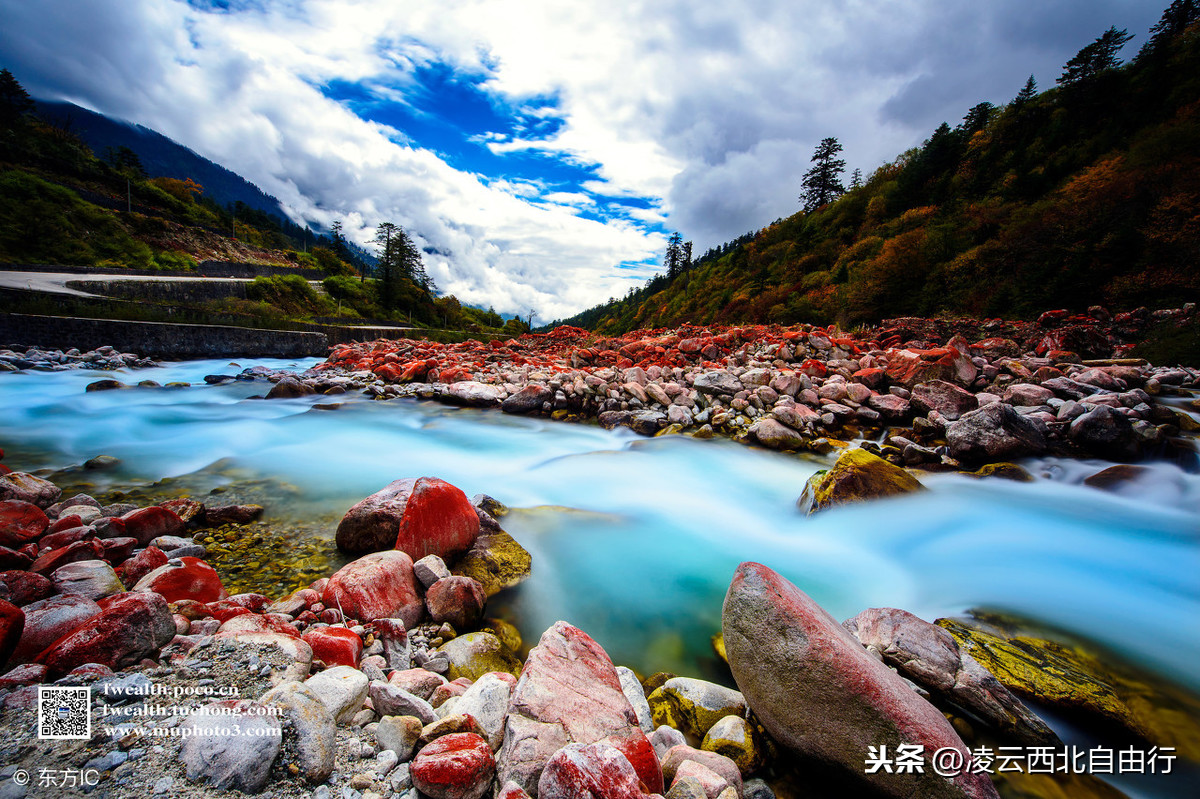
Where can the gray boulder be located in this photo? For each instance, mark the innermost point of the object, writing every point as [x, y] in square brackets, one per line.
[794, 663]
[995, 432]
[929, 656]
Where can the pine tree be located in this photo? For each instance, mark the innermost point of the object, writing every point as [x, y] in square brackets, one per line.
[673, 258]
[1178, 17]
[1027, 93]
[1097, 57]
[977, 118]
[15, 102]
[823, 183]
[856, 179]
[387, 269]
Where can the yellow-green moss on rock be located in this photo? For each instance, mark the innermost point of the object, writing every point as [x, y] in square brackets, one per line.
[496, 561]
[693, 706]
[735, 738]
[1005, 471]
[1070, 677]
[857, 475]
[475, 654]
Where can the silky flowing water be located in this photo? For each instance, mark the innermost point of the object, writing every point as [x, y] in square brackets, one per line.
[634, 539]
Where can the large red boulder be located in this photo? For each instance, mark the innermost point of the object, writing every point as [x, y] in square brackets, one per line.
[191, 579]
[129, 628]
[599, 771]
[455, 766]
[22, 587]
[147, 524]
[793, 662]
[12, 623]
[422, 516]
[20, 523]
[51, 619]
[376, 586]
[335, 646]
[569, 692]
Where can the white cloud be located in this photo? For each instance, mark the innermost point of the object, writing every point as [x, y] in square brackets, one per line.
[709, 110]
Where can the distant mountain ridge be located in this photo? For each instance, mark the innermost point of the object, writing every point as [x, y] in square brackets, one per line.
[160, 156]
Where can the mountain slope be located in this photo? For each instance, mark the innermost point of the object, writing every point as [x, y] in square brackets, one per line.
[1085, 194]
[159, 155]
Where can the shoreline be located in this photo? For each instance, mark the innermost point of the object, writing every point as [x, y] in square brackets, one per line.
[248, 660]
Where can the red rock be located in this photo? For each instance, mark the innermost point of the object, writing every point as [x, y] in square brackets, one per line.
[26, 587]
[422, 516]
[946, 398]
[256, 603]
[65, 537]
[456, 766]
[147, 524]
[12, 559]
[129, 628]
[335, 646]
[12, 623]
[67, 522]
[117, 550]
[141, 564]
[223, 610]
[191, 610]
[192, 579]
[591, 770]
[813, 368]
[51, 619]
[444, 692]
[21, 522]
[259, 623]
[569, 692]
[72, 553]
[874, 379]
[793, 662]
[457, 600]
[376, 586]
[189, 511]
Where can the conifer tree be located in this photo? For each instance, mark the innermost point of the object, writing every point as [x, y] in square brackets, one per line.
[15, 102]
[1097, 57]
[823, 182]
[1027, 93]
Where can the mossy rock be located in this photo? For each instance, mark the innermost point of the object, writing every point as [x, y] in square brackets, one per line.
[694, 706]
[737, 739]
[1081, 680]
[496, 561]
[508, 633]
[1005, 471]
[1115, 476]
[475, 654]
[858, 475]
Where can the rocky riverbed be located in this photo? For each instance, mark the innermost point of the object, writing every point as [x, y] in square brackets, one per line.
[935, 394]
[388, 679]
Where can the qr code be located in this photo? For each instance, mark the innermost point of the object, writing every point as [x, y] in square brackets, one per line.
[64, 713]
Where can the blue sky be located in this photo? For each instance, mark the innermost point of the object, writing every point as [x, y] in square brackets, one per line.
[541, 150]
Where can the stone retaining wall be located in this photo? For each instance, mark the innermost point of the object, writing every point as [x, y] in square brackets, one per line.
[159, 339]
[198, 290]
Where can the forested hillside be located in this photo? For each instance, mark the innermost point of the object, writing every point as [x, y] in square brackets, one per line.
[1087, 193]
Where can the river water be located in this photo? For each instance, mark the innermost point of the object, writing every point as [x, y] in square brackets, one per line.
[635, 539]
